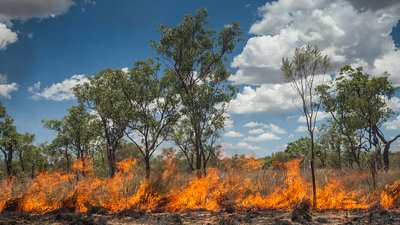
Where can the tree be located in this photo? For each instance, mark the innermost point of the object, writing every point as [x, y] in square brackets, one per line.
[302, 71]
[61, 142]
[195, 56]
[76, 132]
[8, 139]
[103, 95]
[24, 147]
[330, 141]
[154, 108]
[357, 102]
[80, 128]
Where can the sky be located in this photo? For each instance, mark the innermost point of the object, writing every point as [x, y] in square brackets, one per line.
[49, 46]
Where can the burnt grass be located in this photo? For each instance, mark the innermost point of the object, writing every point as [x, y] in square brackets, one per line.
[374, 216]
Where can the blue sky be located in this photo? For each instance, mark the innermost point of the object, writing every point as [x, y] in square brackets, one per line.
[61, 42]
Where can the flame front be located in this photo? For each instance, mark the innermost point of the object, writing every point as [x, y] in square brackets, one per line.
[239, 187]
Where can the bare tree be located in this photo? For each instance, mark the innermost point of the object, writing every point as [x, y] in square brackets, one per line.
[302, 71]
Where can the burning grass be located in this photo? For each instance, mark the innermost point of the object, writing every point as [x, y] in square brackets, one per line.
[243, 188]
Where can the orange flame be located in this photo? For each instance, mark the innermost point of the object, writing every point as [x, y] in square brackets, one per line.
[390, 196]
[6, 192]
[239, 186]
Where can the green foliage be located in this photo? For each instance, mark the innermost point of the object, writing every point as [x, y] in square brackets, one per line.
[153, 107]
[357, 102]
[195, 56]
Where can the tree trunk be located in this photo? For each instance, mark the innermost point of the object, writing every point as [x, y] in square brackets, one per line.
[148, 167]
[314, 186]
[21, 161]
[339, 157]
[8, 156]
[33, 170]
[111, 160]
[68, 166]
[386, 156]
[198, 156]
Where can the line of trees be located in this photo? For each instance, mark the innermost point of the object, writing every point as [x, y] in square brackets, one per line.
[180, 96]
[358, 105]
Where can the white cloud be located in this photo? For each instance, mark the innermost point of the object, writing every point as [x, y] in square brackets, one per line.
[320, 116]
[256, 131]
[301, 129]
[394, 104]
[7, 36]
[267, 136]
[343, 32]
[58, 91]
[394, 124]
[125, 69]
[253, 124]
[275, 128]
[7, 88]
[26, 9]
[229, 124]
[270, 126]
[241, 146]
[258, 128]
[265, 98]
[233, 134]
[270, 98]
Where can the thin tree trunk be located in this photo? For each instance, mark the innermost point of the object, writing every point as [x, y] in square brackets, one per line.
[314, 186]
[111, 160]
[21, 161]
[386, 156]
[148, 167]
[66, 155]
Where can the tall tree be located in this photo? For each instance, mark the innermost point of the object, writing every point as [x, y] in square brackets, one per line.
[80, 128]
[195, 56]
[154, 108]
[302, 71]
[103, 95]
[24, 147]
[61, 142]
[358, 103]
[8, 139]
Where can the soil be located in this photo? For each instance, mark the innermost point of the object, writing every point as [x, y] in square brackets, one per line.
[257, 217]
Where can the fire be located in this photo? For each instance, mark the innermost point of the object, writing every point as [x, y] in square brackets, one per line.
[240, 185]
[390, 196]
[200, 193]
[333, 196]
[6, 192]
[46, 193]
[282, 198]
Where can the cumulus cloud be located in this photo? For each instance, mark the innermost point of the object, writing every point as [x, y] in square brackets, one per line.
[265, 98]
[7, 36]
[240, 146]
[26, 9]
[393, 124]
[261, 132]
[372, 4]
[270, 98]
[7, 88]
[394, 104]
[342, 31]
[256, 131]
[58, 91]
[320, 116]
[301, 129]
[233, 134]
[269, 126]
[267, 136]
